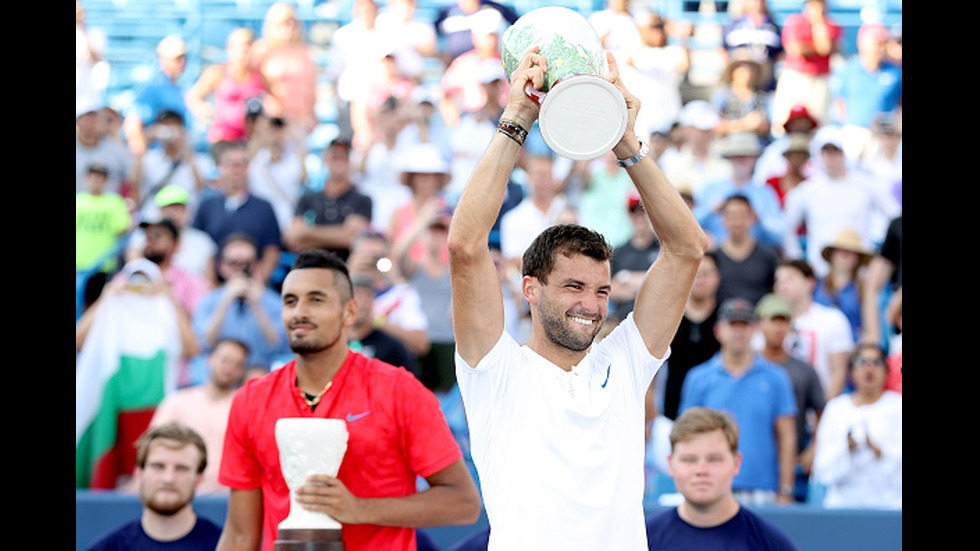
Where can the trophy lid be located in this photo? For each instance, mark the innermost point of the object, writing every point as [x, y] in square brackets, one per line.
[583, 117]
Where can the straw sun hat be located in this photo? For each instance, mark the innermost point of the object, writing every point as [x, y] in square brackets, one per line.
[848, 240]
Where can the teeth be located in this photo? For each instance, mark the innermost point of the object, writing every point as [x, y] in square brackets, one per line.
[582, 321]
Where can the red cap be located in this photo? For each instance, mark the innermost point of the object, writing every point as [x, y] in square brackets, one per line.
[633, 200]
[797, 112]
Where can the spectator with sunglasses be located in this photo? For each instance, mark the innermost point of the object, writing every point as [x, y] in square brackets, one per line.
[858, 455]
[241, 307]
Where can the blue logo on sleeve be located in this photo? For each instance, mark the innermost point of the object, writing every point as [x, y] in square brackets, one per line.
[608, 367]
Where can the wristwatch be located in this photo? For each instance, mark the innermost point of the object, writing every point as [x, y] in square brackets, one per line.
[626, 163]
[785, 490]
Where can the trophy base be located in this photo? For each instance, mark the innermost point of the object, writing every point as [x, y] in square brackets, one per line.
[300, 539]
[583, 117]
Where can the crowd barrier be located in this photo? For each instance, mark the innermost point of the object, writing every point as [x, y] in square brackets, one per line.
[812, 528]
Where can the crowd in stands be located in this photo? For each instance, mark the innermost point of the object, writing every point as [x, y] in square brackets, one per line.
[792, 163]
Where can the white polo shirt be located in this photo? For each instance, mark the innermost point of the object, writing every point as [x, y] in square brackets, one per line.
[560, 454]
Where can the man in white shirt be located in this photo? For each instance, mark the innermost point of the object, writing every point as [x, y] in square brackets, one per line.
[821, 334]
[557, 425]
[834, 199]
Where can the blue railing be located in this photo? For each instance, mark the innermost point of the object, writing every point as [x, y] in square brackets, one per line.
[812, 528]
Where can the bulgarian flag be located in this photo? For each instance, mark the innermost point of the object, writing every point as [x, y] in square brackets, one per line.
[126, 366]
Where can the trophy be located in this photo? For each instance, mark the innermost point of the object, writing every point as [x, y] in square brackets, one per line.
[309, 446]
[582, 114]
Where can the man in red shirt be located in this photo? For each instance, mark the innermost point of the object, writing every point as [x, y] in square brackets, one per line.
[396, 431]
[810, 38]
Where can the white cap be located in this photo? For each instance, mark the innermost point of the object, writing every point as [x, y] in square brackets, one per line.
[490, 70]
[171, 46]
[424, 158]
[485, 21]
[827, 135]
[699, 114]
[87, 105]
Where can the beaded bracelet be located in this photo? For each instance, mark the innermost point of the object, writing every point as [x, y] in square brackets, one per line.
[512, 130]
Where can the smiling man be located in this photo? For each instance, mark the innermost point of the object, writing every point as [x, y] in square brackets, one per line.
[397, 432]
[704, 460]
[557, 425]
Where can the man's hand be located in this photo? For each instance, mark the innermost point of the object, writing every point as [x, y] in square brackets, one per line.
[327, 494]
[530, 71]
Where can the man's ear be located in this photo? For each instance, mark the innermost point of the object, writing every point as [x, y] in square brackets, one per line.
[350, 312]
[531, 287]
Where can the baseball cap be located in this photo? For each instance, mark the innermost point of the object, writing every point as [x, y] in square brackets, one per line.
[88, 105]
[699, 114]
[171, 46]
[490, 70]
[737, 309]
[171, 195]
[164, 223]
[829, 135]
[774, 306]
[425, 158]
[99, 168]
[633, 200]
[800, 112]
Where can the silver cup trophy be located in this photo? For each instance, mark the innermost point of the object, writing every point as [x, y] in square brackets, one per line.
[582, 115]
[309, 446]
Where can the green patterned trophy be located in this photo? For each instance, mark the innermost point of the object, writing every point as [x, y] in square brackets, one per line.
[582, 114]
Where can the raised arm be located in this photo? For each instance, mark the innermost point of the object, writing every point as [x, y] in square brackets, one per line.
[662, 295]
[478, 312]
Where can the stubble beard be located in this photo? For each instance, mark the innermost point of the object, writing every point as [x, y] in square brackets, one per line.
[304, 346]
[556, 328]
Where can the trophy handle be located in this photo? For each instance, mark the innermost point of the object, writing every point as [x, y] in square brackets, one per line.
[537, 96]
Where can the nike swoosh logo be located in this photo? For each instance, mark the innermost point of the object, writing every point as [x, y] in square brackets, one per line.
[608, 367]
[352, 417]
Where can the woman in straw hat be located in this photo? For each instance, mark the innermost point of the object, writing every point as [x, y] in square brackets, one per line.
[842, 286]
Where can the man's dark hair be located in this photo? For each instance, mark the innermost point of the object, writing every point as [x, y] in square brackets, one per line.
[736, 198]
[341, 142]
[801, 266]
[565, 239]
[321, 258]
[169, 115]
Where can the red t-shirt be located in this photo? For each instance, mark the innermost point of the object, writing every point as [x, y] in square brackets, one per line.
[396, 433]
[797, 28]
